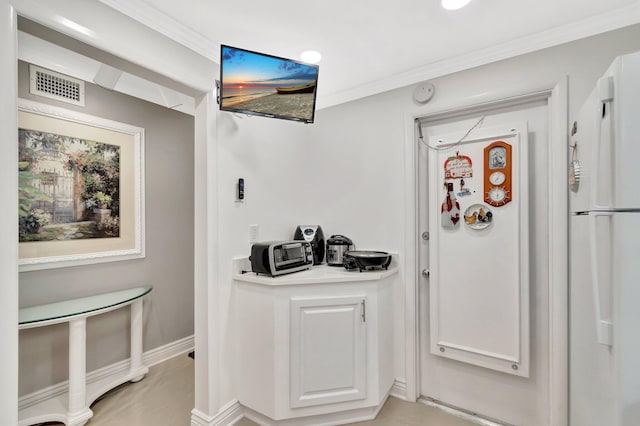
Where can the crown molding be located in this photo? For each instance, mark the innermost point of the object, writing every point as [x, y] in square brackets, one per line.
[609, 21]
[148, 15]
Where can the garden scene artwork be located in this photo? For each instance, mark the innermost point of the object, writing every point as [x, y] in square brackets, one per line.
[69, 188]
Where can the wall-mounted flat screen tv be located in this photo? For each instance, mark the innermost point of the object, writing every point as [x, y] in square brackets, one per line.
[260, 84]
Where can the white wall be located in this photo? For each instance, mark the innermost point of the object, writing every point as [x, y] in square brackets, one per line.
[381, 119]
[271, 156]
[346, 171]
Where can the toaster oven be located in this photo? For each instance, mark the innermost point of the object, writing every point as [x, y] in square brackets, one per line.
[281, 257]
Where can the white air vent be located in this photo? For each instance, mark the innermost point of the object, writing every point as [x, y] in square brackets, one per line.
[56, 86]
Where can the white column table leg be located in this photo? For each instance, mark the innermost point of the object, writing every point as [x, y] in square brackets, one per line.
[138, 370]
[78, 411]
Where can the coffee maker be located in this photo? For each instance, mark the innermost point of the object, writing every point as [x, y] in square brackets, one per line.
[314, 235]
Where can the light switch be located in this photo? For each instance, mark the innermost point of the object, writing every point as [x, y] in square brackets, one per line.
[253, 233]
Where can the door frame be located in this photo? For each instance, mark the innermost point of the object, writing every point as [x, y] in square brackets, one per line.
[77, 20]
[557, 98]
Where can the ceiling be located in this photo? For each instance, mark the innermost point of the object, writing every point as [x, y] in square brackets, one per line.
[368, 46]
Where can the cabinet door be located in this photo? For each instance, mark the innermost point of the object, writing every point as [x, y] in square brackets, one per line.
[328, 350]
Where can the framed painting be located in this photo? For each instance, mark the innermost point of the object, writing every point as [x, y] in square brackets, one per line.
[81, 188]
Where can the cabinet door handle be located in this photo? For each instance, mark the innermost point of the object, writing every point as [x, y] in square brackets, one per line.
[364, 311]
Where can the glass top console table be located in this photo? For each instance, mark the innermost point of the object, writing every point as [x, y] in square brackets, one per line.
[72, 408]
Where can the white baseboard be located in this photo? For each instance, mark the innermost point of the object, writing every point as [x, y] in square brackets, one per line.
[149, 358]
[198, 418]
[399, 389]
[170, 350]
[228, 415]
[327, 419]
[233, 412]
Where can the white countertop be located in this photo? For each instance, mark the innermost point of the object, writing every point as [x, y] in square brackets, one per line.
[318, 274]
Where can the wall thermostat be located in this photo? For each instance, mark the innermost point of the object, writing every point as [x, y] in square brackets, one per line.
[423, 92]
[240, 195]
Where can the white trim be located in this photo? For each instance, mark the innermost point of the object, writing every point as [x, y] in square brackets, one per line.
[514, 356]
[618, 18]
[558, 232]
[150, 358]
[56, 58]
[233, 411]
[168, 351]
[412, 281]
[612, 20]
[164, 24]
[328, 419]
[207, 310]
[229, 414]
[8, 223]
[559, 257]
[198, 418]
[138, 135]
[113, 33]
[399, 389]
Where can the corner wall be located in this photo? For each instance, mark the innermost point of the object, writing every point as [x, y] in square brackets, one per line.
[379, 124]
[346, 171]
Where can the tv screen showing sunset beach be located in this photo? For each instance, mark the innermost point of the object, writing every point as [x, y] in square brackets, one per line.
[256, 83]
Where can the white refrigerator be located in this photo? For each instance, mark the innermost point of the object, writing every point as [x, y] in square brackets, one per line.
[604, 200]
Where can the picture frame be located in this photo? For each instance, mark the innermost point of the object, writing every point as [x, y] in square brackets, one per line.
[61, 151]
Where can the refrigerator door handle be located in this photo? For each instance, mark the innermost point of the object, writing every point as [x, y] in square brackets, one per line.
[601, 180]
[604, 323]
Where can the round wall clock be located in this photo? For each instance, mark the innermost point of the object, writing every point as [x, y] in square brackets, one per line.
[497, 195]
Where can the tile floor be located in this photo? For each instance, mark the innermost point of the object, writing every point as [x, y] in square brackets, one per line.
[165, 397]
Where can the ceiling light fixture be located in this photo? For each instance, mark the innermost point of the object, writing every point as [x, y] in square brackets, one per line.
[310, 56]
[454, 4]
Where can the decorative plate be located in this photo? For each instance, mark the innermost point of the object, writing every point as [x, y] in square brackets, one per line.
[478, 216]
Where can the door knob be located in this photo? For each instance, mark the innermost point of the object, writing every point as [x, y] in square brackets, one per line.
[425, 273]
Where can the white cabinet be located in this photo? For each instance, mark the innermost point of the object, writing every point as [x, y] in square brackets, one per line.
[314, 345]
[328, 350]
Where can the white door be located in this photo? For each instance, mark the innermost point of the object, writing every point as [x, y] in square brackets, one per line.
[328, 350]
[487, 388]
